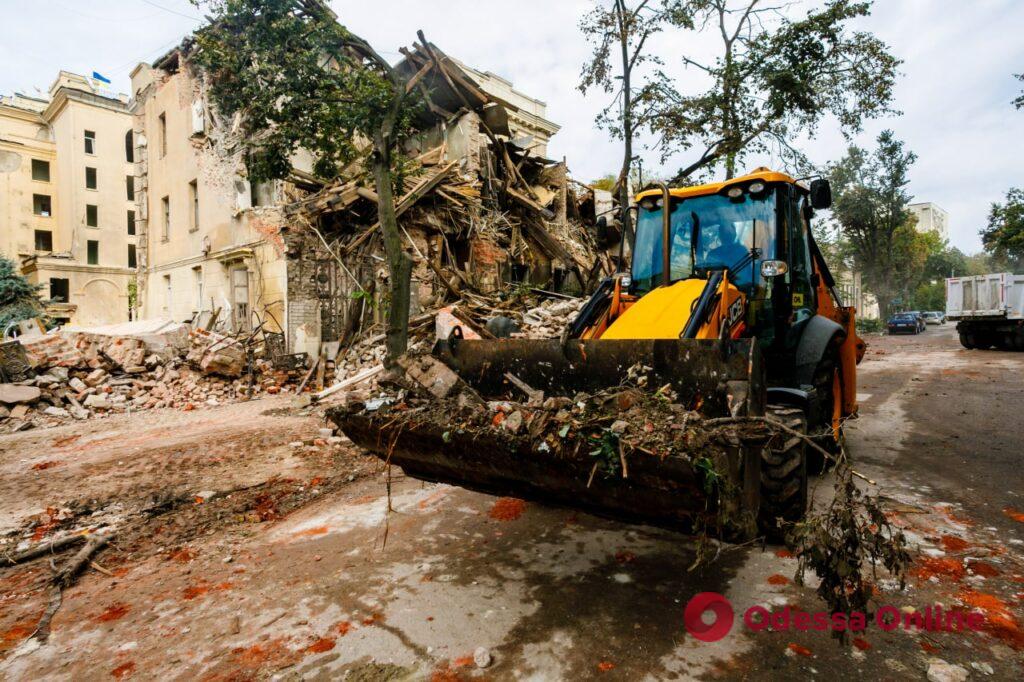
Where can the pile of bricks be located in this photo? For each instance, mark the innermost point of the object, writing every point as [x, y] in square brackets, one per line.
[82, 376]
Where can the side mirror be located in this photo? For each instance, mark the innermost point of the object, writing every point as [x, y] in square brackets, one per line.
[821, 193]
[773, 268]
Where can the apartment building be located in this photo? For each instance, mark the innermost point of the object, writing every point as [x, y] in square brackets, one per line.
[67, 197]
[203, 246]
[931, 218]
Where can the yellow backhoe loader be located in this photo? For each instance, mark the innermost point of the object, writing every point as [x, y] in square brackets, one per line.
[729, 308]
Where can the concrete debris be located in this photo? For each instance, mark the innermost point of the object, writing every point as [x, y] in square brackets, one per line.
[941, 671]
[87, 373]
[13, 394]
[482, 657]
[549, 319]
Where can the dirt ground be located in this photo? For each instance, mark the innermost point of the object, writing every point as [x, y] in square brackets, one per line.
[245, 546]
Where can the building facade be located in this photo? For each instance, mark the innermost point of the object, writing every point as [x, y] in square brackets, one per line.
[206, 242]
[931, 218]
[67, 198]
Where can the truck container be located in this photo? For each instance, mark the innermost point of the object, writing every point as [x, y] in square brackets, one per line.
[988, 310]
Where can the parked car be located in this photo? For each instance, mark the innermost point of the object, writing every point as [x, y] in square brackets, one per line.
[919, 316]
[903, 323]
[934, 317]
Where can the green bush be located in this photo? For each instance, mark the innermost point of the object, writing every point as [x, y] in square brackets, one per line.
[869, 326]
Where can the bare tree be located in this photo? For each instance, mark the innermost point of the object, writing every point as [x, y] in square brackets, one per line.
[619, 31]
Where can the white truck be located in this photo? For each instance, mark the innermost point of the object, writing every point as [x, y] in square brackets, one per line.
[988, 310]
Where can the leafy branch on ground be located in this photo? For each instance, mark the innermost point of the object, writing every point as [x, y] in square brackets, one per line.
[845, 543]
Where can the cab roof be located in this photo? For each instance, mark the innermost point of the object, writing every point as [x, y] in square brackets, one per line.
[762, 174]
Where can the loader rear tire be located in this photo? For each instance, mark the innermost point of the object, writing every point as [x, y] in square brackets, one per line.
[783, 473]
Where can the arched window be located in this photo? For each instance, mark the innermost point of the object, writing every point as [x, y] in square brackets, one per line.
[129, 147]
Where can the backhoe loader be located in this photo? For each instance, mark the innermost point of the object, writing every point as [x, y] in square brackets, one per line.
[728, 312]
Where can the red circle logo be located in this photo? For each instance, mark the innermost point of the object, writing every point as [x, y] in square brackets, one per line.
[693, 616]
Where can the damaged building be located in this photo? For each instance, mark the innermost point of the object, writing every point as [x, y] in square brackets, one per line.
[481, 209]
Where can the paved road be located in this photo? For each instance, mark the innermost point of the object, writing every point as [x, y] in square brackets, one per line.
[338, 586]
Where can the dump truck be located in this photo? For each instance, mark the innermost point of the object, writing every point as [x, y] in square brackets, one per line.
[988, 310]
[706, 369]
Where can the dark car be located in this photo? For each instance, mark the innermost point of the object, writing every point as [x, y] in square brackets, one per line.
[919, 316]
[903, 323]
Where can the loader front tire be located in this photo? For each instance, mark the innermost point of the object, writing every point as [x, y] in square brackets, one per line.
[783, 473]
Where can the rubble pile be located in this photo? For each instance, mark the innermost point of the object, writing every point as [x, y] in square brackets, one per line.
[550, 318]
[81, 375]
[484, 217]
[636, 449]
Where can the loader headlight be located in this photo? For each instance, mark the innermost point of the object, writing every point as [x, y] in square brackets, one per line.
[625, 281]
[734, 192]
[774, 268]
[756, 187]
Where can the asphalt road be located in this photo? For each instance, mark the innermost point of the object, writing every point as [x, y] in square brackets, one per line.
[337, 586]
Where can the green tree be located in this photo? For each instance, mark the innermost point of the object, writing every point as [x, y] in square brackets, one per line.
[980, 264]
[771, 80]
[301, 80]
[1019, 102]
[870, 206]
[1003, 238]
[605, 182]
[19, 300]
[619, 31]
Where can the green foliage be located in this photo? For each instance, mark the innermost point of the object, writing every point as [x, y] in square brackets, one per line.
[841, 542]
[929, 296]
[877, 229]
[1019, 102]
[866, 326]
[605, 182]
[607, 452]
[19, 300]
[772, 80]
[1003, 238]
[300, 80]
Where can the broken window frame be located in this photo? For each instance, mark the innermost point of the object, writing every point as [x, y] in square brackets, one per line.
[193, 200]
[90, 142]
[43, 240]
[59, 286]
[40, 167]
[165, 213]
[42, 205]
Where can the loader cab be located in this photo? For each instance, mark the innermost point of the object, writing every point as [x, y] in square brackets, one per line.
[756, 227]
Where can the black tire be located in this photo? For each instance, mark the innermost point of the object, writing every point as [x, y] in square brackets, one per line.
[823, 375]
[967, 341]
[783, 473]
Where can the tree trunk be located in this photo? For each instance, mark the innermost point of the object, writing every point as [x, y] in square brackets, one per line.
[399, 263]
[627, 129]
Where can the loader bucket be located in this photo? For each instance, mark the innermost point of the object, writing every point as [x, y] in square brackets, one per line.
[664, 484]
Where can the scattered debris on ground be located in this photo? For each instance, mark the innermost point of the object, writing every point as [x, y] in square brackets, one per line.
[77, 375]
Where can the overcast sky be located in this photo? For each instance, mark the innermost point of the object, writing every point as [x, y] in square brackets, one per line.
[955, 93]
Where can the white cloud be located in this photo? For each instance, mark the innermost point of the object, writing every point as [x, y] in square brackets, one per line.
[955, 94]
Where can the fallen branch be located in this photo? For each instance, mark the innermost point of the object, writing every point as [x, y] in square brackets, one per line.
[782, 427]
[41, 549]
[64, 578]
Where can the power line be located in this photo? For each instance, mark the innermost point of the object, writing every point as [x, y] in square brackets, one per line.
[172, 11]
